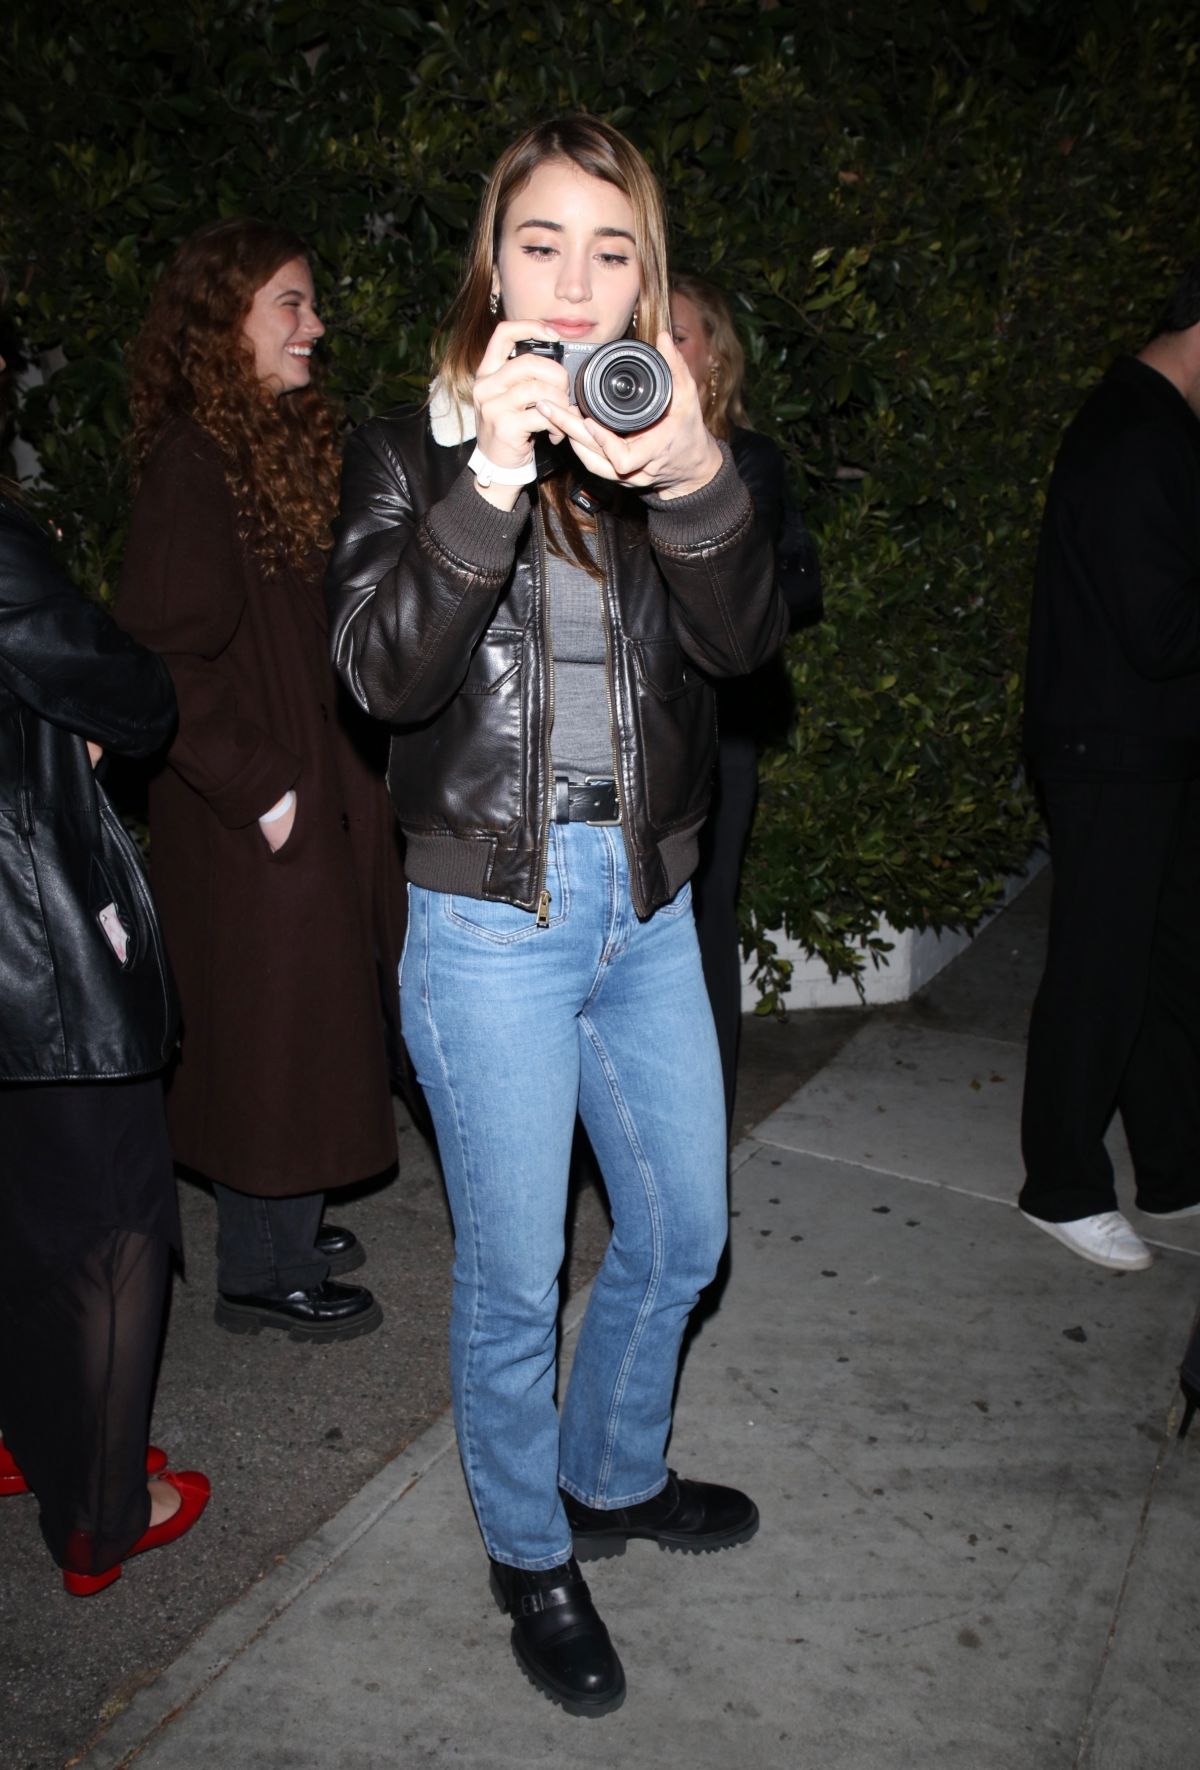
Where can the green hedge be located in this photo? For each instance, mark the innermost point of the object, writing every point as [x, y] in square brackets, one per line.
[939, 222]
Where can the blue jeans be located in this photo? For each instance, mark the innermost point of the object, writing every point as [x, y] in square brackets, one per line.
[513, 1029]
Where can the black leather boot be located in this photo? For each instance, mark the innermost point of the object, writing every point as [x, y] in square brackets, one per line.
[341, 1248]
[696, 1516]
[558, 1638]
[326, 1311]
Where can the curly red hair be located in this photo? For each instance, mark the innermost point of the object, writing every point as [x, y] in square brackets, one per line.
[190, 359]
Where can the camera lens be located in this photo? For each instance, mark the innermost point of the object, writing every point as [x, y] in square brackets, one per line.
[625, 386]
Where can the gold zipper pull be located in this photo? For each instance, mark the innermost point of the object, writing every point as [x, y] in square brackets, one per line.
[543, 915]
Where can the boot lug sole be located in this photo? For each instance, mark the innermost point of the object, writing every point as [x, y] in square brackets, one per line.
[340, 1264]
[605, 1548]
[574, 1704]
[237, 1321]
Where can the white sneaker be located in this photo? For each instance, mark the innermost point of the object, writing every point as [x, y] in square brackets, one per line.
[1107, 1239]
[1183, 1211]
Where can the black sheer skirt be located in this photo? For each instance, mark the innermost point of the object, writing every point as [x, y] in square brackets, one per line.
[88, 1216]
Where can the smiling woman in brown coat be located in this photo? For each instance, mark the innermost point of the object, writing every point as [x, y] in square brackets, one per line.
[273, 857]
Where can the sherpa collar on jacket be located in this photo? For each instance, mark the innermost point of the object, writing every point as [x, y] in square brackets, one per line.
[451, 420]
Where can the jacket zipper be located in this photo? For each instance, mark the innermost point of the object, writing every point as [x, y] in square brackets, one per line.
[543, 897]
[609, 581]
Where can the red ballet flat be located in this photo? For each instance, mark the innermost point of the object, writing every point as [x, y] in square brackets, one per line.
[193, 1490]
[12, 1480]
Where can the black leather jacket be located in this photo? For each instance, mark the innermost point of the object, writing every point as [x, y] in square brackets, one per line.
[70, 1007]
[438, 606]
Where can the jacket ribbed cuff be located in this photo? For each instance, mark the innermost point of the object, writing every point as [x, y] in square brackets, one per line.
[473, 534]
[714, 514]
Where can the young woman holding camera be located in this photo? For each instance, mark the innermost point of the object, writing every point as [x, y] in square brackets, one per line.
[539, 645]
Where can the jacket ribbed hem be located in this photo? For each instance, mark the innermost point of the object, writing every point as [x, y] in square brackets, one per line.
[475, 536]
[461, 865]
[448, 863]
[680, 855]
[714, 516]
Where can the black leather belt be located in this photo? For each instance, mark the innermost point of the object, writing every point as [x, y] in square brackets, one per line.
[595, 802]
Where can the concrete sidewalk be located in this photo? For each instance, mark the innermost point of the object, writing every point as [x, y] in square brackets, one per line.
[978, 1546]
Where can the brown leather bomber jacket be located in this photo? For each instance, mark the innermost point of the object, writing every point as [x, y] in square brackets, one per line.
[438, 622]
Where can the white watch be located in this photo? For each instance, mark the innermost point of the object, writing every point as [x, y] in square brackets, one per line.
[488, 473]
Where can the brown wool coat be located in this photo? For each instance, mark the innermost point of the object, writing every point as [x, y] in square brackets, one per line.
[282, 959]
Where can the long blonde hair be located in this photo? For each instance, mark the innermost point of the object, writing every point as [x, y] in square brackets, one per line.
[602, 152]
[721, 400]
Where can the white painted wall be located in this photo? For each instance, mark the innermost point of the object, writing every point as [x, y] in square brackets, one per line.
[914, 959]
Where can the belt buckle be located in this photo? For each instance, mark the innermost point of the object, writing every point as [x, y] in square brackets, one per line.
[603, 780]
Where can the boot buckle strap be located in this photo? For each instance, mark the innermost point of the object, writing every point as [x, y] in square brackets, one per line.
[536, 1603]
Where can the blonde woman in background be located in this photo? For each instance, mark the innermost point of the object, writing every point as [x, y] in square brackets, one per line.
[750, 710]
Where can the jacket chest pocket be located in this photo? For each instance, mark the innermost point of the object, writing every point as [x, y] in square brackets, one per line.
[473, 753]
[495, 663]
[675, 712]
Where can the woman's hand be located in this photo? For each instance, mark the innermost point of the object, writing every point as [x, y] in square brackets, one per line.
[506, 395]
[675, 456]
[278, 829]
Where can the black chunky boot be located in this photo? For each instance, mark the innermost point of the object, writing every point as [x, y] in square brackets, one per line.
[340, 1248]
[558, 1638]
[696, 1516]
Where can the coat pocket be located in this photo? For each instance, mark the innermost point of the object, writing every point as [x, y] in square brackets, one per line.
[150, 1005]
[116, 920]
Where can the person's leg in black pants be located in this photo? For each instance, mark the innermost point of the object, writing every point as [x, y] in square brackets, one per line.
[715, 895]
[1160, 1091]
[266, 1247]
[1112, 843]
[270, 1272]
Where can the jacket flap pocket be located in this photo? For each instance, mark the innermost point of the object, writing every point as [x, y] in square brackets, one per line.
[495, 659]
[664, 669]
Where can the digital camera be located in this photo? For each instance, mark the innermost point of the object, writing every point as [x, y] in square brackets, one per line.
[626, 385]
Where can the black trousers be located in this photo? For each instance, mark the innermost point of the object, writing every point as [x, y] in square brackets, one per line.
[715, 894]
[1116, 1021]
[266, 1246]
[87, 1221]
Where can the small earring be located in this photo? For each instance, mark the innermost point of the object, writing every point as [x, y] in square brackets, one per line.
[493, 304]
[714, 376]
[633, 321]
